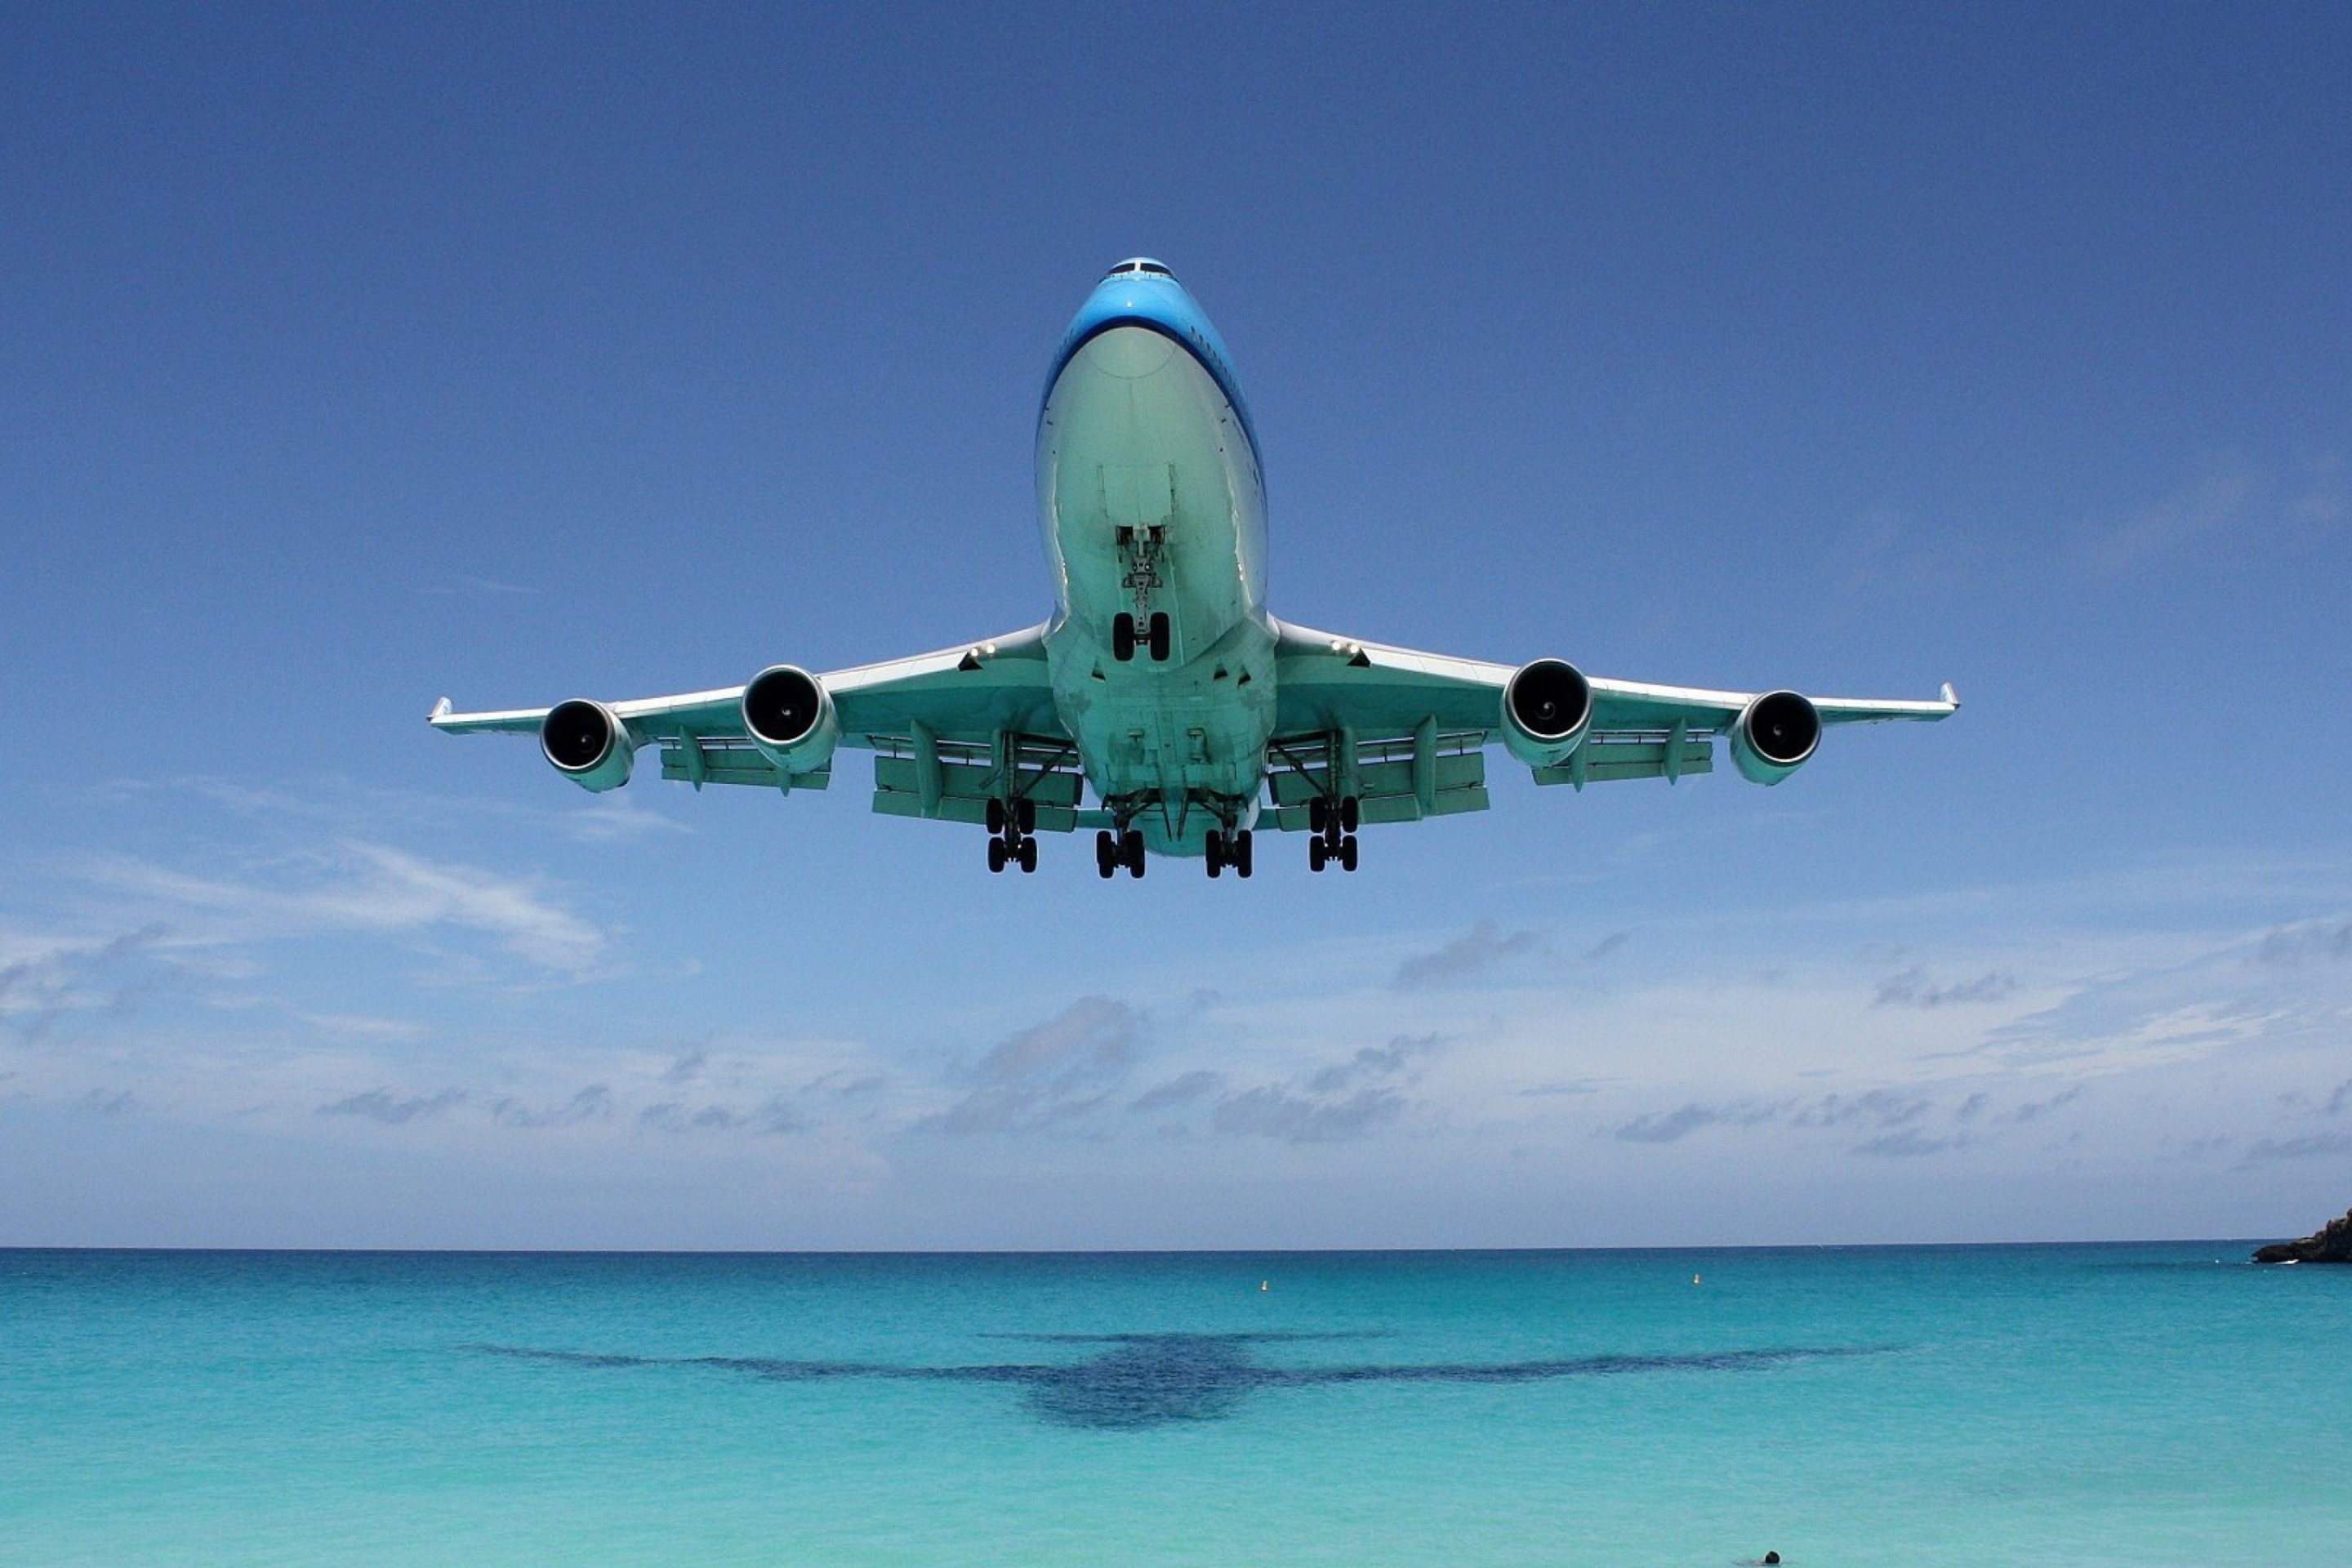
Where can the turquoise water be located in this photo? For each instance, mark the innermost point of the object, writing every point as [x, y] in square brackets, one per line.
[2143, 1403]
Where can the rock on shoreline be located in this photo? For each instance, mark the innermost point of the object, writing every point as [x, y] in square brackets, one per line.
[2332, 1243]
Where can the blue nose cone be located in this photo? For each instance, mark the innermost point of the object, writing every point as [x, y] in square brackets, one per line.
[1142, 292]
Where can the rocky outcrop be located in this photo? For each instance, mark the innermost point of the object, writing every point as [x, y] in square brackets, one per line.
[2332, 1243]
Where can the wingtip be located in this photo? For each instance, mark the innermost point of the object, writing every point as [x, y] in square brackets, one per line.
[441, 710]
[1951, 696]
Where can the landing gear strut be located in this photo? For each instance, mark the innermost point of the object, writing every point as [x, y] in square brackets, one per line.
[1010, 830]
[1334, 824]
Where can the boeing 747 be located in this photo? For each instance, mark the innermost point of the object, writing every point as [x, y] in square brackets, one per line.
[1161, 684]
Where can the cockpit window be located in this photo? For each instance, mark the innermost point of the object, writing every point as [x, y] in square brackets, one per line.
[1148, 269]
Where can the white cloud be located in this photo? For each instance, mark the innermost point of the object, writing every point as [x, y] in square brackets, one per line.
[359, 887]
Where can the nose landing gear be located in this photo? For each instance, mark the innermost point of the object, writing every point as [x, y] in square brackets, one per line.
[1155, 634]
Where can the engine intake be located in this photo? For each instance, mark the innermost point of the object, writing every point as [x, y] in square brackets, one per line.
[1774, 736]
[587, 743]
[1547, 707]
[789, 715]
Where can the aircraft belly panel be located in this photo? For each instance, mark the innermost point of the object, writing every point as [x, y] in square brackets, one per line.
[1149, 497]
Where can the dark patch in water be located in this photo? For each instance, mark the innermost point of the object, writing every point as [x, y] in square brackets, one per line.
[1157, 1380]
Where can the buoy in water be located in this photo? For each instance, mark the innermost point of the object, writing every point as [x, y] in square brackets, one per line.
[1266, 1284]
[1693, 1278]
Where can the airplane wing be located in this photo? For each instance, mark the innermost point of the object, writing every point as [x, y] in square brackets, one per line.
[1405, 731]
[950, 728]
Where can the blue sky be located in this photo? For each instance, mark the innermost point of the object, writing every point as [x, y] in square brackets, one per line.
[354, 358]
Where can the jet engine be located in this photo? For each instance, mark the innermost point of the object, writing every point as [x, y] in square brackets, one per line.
[789, 715]
[1547, 707]
[1773, 736]
[587, 744]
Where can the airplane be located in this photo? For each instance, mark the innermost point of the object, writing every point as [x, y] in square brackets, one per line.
[1162, 683]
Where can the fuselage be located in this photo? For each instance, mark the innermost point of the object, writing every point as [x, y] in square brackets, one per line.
[1153, 504]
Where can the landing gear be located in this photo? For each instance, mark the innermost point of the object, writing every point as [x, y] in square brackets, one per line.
[1155, 634]
[1113, 850]
[1334, 824]
[1229, 849]
[1010, 830]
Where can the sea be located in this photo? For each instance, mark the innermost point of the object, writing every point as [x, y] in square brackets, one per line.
[2148, 1403]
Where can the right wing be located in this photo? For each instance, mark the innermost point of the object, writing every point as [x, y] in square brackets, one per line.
[952, 730]
[1405, 731]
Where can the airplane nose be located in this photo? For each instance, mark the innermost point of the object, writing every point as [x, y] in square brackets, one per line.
[1129, 352]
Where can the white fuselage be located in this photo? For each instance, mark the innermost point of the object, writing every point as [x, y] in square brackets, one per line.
[1152, 501]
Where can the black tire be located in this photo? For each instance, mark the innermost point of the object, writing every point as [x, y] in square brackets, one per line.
[996, 854]
[995, 817]
[1350, 815]
[1213, 851]
[1163, 636]
[1130, 852]
[1122, 636]
[1105, 854]
[1028, 856]
[1317, 852]
[1243, 851]
[1348, 853]
[1318, 813]
[1025, 812]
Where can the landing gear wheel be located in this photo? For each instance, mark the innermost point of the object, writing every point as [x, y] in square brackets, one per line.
[1348, 853]
[1216, 853]
[1350, 815]
[1105, 854]
[1029, 855]
[1161, 638]
[1318, 854]
[1122, 636]
[1025, 812]
[996, 854]
[1318, 813]
[1239, 851]
[995, 817]
[1130, 852]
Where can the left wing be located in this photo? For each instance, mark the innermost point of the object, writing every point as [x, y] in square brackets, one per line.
[954, 729]
[1405, 731]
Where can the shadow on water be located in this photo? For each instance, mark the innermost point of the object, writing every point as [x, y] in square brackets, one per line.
[1138, 1381]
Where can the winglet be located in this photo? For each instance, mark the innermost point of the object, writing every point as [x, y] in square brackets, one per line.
[1951, 696]
[441, 710]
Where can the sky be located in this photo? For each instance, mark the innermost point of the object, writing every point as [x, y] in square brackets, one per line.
[354, 356]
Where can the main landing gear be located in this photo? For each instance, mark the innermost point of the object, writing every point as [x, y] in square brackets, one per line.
[1334, 825]
[1113, 850]
[1229, 849]
[1154, 636]
[1010, 830]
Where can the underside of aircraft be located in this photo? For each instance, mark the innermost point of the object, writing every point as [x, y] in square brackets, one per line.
[1161, 686]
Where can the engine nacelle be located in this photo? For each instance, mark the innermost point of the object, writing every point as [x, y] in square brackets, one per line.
[789, 715]
[587, 744]
[1774, 735]
[1547, 707]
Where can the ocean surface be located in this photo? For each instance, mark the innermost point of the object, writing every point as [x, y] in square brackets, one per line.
[2141, 1404]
